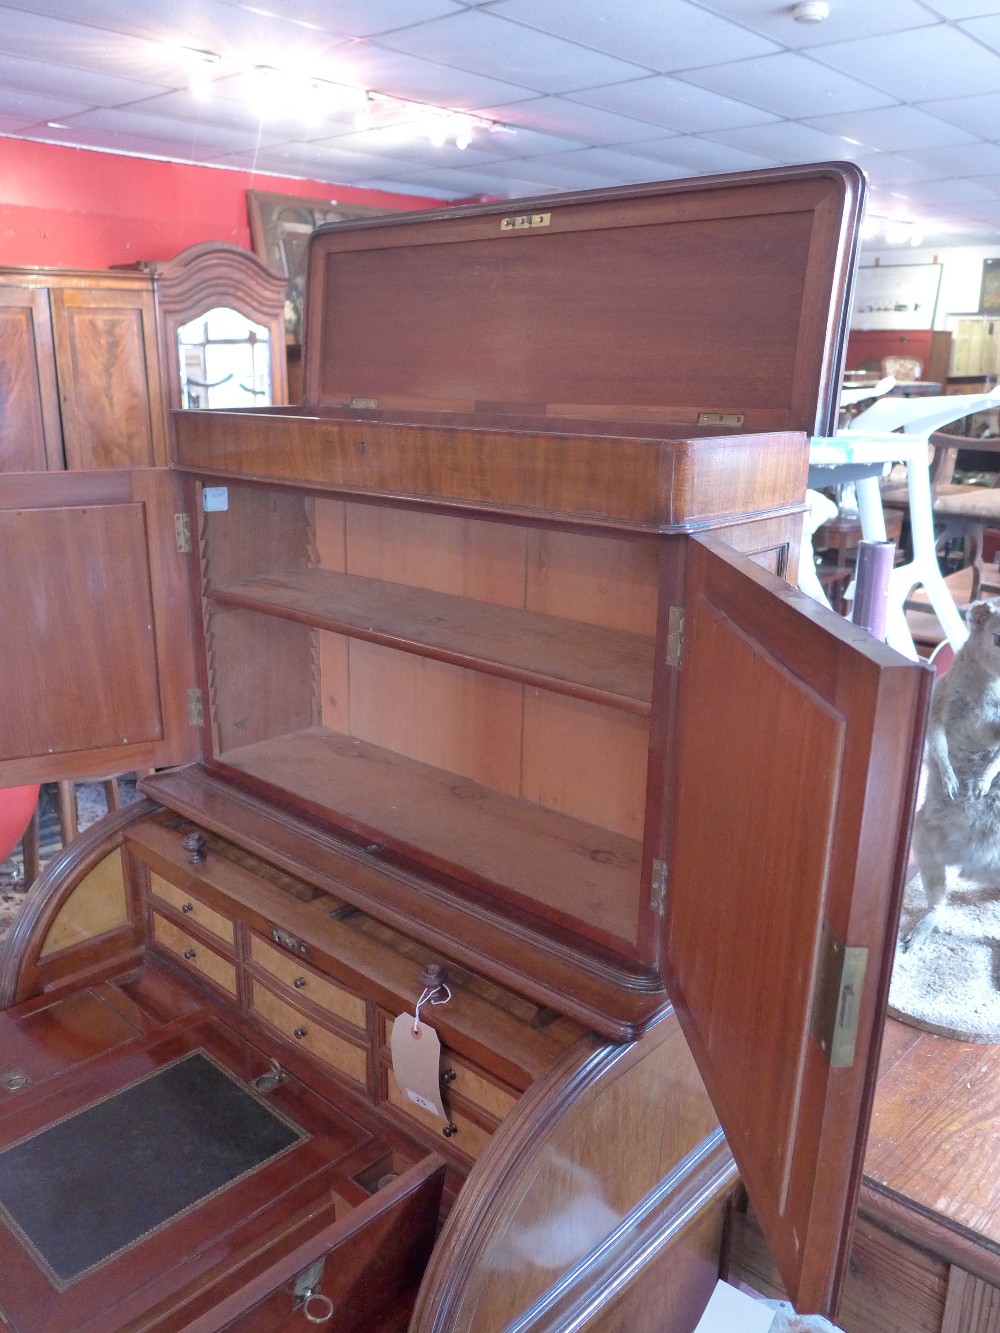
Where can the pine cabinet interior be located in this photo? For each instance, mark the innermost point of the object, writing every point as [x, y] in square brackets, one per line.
[485, 660]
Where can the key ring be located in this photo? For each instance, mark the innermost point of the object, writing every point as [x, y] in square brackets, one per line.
[325, 1307]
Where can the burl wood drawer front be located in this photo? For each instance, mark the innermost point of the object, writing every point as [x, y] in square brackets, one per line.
[309, 983]
[468, 1137]
[456, 1077]
[195, 955]
[312, 1036]
[194, 910]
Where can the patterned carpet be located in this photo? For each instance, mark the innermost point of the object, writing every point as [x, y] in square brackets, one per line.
[91, 805]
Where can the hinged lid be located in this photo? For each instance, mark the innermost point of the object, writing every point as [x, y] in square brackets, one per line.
[708, 305]
[798, 754]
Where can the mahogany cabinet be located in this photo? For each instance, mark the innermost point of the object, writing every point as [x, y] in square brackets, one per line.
[89, 362]
[484, 660]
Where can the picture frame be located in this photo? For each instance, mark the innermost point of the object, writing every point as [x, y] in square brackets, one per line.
[896, 296]
[989, 294]
[280, 227]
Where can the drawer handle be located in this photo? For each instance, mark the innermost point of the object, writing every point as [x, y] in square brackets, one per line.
[449, 1130]
[299, 1033]
[188, 953]
[448, 1076]
[299, 982]
[187, 907]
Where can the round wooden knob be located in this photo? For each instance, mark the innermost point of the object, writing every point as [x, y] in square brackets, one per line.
[299, 1033]
[188, 953]
[432, 976]
[194, 845]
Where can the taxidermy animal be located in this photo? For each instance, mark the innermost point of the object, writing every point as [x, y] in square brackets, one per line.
[959, 822]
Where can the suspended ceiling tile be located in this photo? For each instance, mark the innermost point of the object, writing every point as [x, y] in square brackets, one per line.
[484, 43]
[365, 18]
[236, 114]
[789, 85]
[975, 159]
[986, 30]
[787, 141]
[978, 115]
[35, 76]
[699, 157]
[918, 65]
[571, 119]
[33, 109]
[674, 104]
[848, 19]
[663, 37]
[949, 191]
[372, 66]
[86, 46]
[888, 169]
[962, 9]
[140, 129]
[892, 128]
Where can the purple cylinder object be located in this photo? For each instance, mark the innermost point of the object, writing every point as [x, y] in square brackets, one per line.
[871, 593]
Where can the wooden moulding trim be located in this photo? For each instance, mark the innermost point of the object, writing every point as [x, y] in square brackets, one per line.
[492, 1192]
[50, 891]
[621, 1005]
[642, 484]
[910, 1221]
[598, 1279]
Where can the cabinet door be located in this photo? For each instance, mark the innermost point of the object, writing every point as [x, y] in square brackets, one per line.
[30, 433]
[98, 643]
[798, 754]
[109, 377]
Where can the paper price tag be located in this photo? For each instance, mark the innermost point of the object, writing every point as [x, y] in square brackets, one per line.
[416, 1062]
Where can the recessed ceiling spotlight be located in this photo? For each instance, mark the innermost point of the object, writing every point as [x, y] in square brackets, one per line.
[810, 11]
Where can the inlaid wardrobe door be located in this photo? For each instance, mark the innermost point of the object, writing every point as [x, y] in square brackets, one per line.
[30, 434]
[107, 360]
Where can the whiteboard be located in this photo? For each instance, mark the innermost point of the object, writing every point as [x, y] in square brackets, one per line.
[895, 296]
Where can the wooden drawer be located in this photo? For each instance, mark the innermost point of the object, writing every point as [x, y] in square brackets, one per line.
[195, 955]
[320, 990]
[182, 901]
[311, 1035]
[464, 1080]
[469, 1137]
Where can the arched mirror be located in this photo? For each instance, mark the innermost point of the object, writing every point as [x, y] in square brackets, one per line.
[224, 360]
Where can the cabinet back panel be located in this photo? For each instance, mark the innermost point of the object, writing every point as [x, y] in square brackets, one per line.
[585, 760]
[465, 722]
[270, 671]
[464, 556]
[599, 580]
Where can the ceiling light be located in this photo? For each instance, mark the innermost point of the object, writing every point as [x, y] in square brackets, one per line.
[810, 11]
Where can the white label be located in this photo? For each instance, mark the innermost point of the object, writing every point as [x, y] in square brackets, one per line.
[416, 1062]
[215, 499]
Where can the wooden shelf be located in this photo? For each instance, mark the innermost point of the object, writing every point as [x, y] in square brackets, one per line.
[570, 871]
[587, 661]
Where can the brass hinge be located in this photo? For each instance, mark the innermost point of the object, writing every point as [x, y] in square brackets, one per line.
[720, 418]
[837, 1006]
[658, 887]
[196, 708]
[182, 533]
[675, 635]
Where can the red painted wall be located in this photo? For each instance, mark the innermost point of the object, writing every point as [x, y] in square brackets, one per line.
[75, 208]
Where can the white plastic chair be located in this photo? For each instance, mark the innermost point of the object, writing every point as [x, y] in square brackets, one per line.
[898, 430]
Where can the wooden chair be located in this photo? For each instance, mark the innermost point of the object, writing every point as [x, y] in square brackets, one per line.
[902, 368]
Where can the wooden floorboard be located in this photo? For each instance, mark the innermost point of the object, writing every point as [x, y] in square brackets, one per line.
[935, 1130]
